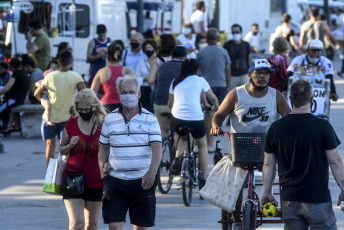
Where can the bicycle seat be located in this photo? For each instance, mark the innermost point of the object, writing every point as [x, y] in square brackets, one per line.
[166, 114]
[185, 129]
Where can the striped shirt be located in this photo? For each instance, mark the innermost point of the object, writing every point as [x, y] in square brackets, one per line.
[130, 151]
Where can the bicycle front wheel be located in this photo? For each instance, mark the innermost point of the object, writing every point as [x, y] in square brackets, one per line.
[165, 177]
[225, 220]
[249, 216]
[186, 178]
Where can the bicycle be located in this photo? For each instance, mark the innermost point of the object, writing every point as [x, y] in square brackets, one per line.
[165, 177]
[191, 174]
[247, 152]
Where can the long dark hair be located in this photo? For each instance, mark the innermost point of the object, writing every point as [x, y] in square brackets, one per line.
[189, 67]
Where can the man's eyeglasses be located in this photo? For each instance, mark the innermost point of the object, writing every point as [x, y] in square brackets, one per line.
[84, 110]
[235, 32]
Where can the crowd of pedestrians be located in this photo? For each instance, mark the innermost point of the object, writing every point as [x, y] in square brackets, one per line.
[118, 123]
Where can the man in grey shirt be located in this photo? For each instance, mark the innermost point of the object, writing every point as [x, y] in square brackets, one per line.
[215, 67]
[35, 74]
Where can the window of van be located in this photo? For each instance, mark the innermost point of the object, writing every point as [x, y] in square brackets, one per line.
[41, 10]
[66, 20]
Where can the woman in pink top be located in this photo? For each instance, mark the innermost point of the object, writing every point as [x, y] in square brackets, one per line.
[107, 76]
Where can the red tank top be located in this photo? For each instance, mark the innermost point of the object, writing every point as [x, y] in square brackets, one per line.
[77, 153]
[110, 96]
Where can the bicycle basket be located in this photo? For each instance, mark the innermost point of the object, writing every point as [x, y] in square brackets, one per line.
[247, 149]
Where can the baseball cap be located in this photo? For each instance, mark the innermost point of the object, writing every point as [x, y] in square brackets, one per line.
[315, 44]
[261, 64]
[179, 51]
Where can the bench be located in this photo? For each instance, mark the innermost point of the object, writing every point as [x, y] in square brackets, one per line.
[30, 119]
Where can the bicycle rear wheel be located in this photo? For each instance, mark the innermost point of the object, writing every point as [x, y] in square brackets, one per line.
[225, 218]
[186, 178]
[249, 216]
[165, 177]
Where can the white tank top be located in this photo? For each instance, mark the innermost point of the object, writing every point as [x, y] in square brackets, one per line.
[254, 115]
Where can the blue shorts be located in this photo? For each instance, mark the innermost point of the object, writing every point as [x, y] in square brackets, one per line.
[49, 132]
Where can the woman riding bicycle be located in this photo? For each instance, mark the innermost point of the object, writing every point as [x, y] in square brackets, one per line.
[185, 102]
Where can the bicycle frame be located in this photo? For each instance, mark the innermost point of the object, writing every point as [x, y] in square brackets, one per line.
[253, 199]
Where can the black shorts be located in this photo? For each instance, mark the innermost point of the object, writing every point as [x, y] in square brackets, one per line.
[197, 126]
[90, 194]
[121, 195]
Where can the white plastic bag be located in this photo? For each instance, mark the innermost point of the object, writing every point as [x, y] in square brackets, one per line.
[223, 184]
[53, 177]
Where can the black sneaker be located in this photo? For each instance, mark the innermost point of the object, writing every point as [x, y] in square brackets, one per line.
[176, 166]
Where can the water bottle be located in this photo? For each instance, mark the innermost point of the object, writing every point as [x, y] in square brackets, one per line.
[341, 56]
[218, 152]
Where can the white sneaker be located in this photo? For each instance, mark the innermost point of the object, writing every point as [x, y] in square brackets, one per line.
[236, 226]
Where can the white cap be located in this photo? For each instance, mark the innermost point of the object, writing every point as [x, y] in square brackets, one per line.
[315, 44]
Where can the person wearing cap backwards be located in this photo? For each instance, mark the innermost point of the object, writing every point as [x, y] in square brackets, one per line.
[313, 57]
[251, 108]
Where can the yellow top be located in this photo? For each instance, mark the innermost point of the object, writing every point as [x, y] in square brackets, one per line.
[61, 88]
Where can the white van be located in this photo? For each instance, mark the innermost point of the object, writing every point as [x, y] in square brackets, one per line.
[72, 21]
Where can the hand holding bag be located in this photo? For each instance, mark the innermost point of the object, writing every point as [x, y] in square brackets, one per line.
[224, 184]
[53, 177]
[74, 182]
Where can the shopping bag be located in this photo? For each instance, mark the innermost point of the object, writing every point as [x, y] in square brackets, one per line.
[53, 177]
[224, 184]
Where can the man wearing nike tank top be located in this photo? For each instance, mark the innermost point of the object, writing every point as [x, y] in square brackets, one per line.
[251, 108]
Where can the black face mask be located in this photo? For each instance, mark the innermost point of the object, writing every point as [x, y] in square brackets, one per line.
[3, 74]
[255, 33]
[86, 116]
[134, 45]
[149, 53]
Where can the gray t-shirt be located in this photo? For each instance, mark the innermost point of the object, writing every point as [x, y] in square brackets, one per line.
[212, 61]
[36, 75]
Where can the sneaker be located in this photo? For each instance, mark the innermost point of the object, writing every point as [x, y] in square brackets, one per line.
[237, 226]
[176, 166]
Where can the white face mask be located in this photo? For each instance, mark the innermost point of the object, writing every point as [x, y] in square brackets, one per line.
[187, 30]
[203, 45]
[129, 100]
[237, 37]
[313, 60]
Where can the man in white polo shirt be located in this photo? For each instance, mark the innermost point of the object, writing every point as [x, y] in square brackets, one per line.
[129, 158]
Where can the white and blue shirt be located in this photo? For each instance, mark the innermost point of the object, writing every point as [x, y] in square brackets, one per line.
[130, 150]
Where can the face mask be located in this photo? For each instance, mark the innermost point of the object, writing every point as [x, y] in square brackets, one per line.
[86, 116]
[134, 45]
[255, 33]
[313, 60]
[3, 74]
[237, 37]
[203, 45]
[128, 100]
[187, 30]
[149, 53]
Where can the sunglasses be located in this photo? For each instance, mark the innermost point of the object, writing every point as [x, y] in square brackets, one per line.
[235, 32]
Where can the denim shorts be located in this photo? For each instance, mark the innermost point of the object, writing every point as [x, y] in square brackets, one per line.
[119, 196]
[49, 132]
[220, 93]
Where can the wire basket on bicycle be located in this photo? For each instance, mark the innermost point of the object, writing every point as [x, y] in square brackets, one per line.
[247, 149]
